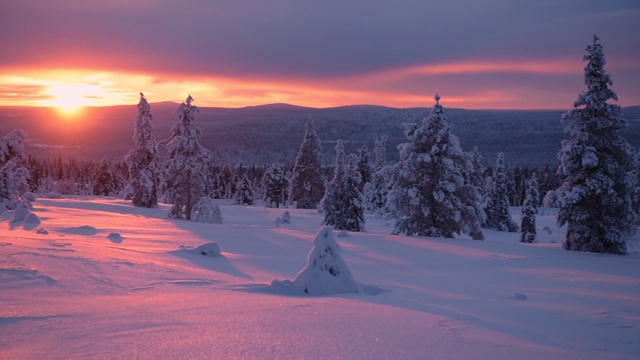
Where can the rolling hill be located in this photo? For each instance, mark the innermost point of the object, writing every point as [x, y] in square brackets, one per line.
[259, 135]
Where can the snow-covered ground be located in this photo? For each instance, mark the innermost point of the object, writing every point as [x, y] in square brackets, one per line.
[98, 278]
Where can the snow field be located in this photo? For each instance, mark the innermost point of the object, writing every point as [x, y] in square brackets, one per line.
[102, 279]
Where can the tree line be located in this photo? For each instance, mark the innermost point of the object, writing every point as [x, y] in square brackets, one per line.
[434, 189]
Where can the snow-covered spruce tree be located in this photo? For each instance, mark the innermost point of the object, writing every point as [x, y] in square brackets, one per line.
[476, 170]
[429, 195]
[13, 177]
[364, 166]
[330, 201]
[534, 188]
[143, 161]
[326, 272]
[529, 210]
[550, 199]
[218, 189]
[244, 192]
[353, 200]
[106, 183]
[185, 173]
[375, 192]
[595, 197]
[206, 211]
[343, 203]
[276, 186]
[380, 153]
[496, 204]
[635, 192]
[307, 180]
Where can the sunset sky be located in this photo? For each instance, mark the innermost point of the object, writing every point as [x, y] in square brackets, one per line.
[500, 54]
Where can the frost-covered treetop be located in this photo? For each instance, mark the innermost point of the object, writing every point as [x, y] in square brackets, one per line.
[596, 78]
[500, 167]
[310, 151]
[437, 112]
[186, 111]
[311, 136]
[143, 129]
[186, 114]
[143, 105]
[437, 99]
[12, 146]
[592, 114]
[437, 119]
[591, 111]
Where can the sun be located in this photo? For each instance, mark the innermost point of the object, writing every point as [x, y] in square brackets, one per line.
[69, 99]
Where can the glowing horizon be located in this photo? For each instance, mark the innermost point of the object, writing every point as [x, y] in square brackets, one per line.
[497, 54]
[69, 90]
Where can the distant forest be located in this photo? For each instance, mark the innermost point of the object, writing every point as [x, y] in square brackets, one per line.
[260, 135]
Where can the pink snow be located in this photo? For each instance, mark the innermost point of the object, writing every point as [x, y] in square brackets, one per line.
[70, 292]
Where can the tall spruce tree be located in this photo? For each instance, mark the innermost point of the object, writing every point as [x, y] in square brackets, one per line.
[380, 153]
[244, 192]
[185, 173]
[13, 175]
[534, 188]
[331, 201]
[364, 166]
[529, 210]
[595, 197]
[353, 203]
[496, 204]
[276, 186]
[375, 192]
[430, 196]
[105, 184]
[343, 203]
[143, 161]
[307, 179]
[635, 189]
[475, 174]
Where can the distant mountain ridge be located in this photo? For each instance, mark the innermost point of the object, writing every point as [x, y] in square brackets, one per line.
[259, 135]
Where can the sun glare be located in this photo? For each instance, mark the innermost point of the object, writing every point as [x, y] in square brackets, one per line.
[69, 98]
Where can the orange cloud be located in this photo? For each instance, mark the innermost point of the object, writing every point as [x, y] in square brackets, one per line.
[545, 67]
[405, 87]
[533, 67]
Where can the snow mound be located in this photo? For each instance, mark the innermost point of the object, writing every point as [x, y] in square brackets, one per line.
[284, 219]
[32, 219]
[206, 211]
[115, 237]
[80, 230]
[21, 212]
[326, 272]
[31, 222]
[29, 196]
[343, 233]
[284, 287]
[208, 249]
[15, 276]
[53, 195]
